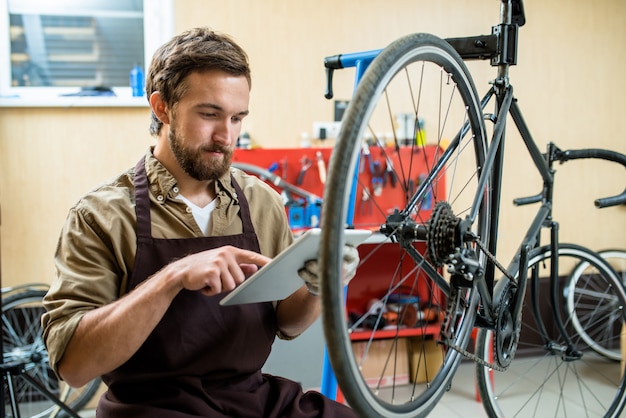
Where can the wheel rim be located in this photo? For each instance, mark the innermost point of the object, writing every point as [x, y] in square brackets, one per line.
[402, 270]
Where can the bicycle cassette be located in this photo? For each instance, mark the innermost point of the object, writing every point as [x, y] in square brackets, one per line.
[442, 237]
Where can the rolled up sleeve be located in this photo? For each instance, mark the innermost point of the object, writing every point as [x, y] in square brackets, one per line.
[90, 272]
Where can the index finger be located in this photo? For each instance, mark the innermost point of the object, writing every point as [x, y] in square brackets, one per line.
[250, 257]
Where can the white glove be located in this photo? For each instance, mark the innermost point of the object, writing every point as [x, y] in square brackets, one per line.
[310, 272]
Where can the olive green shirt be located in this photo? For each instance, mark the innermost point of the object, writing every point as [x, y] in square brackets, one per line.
[96, 250]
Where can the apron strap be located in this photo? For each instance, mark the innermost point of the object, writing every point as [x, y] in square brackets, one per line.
[142, 200]
[244, 208]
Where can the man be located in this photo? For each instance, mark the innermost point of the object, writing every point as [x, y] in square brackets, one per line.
[143, 261]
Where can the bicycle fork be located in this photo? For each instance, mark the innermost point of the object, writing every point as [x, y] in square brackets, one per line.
[567, 350]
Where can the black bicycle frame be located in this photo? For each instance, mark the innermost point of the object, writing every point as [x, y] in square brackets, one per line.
[493, 172]
[507, 105]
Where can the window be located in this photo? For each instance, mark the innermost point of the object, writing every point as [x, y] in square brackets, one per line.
[68, 48]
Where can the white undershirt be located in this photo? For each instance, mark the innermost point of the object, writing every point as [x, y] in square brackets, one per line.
[201, 215]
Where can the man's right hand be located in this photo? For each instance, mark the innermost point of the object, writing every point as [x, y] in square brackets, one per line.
[217, 270]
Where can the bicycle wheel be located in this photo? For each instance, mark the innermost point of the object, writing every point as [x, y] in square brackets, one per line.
[423, 79]
[545, 378]
[594, 317]
[23, 342]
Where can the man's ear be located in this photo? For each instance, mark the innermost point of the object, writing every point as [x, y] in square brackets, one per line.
[159, 107]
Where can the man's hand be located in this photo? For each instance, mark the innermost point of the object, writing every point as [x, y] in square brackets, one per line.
[311, 275]
[218, 270]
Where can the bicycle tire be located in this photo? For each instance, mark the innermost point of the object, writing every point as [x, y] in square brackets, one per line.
[543, 379]
[583, 301]
[450, 173]
[23, 341]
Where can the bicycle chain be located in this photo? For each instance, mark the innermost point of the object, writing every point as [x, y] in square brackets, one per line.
[473, 357]
[492, 258]
[457, 348]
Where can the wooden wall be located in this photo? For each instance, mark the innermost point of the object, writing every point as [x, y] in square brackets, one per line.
[569, 83]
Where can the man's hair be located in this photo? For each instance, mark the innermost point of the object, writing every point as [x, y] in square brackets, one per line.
[196, 50]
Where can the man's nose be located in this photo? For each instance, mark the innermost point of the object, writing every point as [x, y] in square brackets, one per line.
[224, 132]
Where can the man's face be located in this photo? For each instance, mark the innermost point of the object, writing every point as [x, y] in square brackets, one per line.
[206, 123]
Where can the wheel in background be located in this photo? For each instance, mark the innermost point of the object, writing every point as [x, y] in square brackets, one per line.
[22, 341]
[595, 315]
[547, 380]
[420, 81]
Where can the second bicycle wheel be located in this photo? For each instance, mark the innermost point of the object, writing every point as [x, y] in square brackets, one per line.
[594, 313]
[386, 351]
[23, 343]
[547, 377]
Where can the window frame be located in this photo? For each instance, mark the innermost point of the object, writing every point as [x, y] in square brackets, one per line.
[158, 28]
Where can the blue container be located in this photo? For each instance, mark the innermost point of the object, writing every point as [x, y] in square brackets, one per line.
[137, 82]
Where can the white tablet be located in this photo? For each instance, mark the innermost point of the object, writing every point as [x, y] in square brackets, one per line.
[279, 278]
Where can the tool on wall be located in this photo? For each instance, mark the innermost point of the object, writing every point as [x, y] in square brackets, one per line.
[366, 158]
[284, 163]
[306, 164]
[377, 178]
[427, 202]
[390, 174]
[321, 166]
[366, 201]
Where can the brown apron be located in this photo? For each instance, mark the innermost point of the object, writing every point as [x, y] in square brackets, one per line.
[202, 359]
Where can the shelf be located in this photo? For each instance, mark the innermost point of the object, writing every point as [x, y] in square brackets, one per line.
[430, 329]
[83, 32]
[75, 101]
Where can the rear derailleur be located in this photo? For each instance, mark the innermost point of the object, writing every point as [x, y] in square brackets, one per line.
[450, 241]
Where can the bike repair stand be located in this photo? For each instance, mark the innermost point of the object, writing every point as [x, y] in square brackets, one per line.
[18, 368]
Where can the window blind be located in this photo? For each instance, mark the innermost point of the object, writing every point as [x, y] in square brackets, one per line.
[88, 43]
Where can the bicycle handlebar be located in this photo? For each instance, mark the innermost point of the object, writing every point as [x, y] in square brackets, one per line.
[601, 154]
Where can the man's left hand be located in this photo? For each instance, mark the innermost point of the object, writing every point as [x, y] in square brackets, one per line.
[311, 275]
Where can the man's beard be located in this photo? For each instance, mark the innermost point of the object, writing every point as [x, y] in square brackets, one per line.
[193, 161]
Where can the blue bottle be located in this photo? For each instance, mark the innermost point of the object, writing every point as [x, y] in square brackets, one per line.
[137, 81]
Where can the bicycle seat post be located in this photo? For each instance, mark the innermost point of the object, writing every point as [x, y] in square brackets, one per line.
[507, 32]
